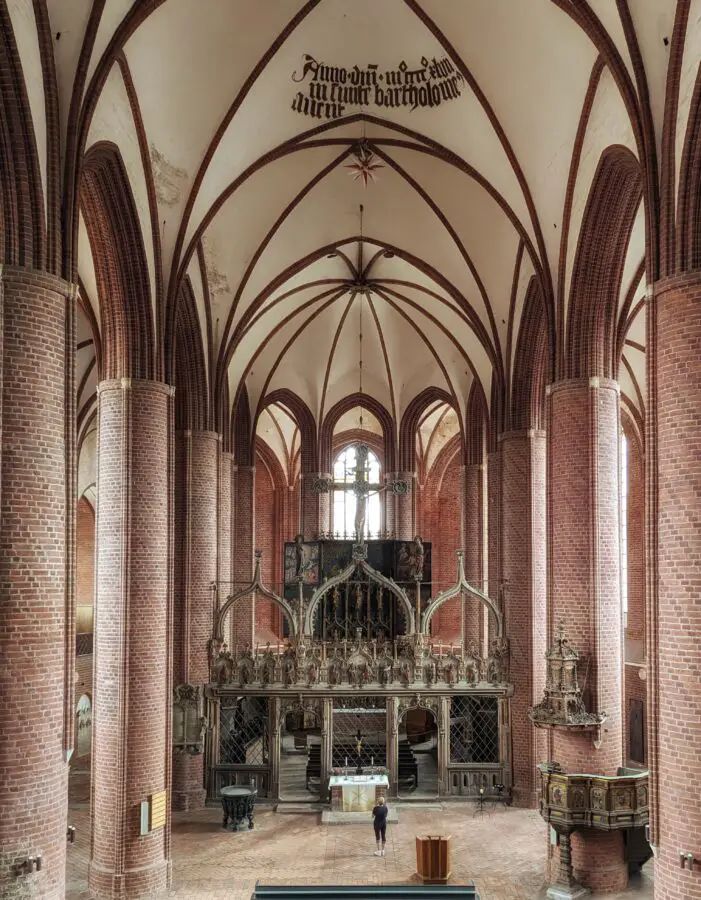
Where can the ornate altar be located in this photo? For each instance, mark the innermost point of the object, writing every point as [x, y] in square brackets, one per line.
[366, 679]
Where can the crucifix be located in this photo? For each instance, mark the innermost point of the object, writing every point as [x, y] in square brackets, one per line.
[361, 487]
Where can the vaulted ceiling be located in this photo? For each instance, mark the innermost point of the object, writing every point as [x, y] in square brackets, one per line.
[319, 226]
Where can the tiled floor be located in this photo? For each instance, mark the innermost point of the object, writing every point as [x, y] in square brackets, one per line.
[502, 852]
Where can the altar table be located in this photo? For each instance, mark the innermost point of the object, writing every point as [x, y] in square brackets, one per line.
[357, 793]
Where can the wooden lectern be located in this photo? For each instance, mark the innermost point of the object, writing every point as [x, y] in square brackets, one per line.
[433, 859]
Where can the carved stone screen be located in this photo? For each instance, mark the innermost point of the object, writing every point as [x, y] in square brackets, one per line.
[364, 715]
[474, 730]
[243, 731]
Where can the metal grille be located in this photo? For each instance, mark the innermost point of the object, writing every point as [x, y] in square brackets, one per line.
[370, 721]
[474, 730]
[83, 643]
[243, 731]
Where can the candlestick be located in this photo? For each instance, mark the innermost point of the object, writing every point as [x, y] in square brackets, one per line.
[346, 762]
[372, 760]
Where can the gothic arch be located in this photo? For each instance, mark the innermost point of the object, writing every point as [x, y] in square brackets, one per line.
[305, 422]
[476, 419]
[355, 436]
[242, 439]
[189, 373]
[121, 272]
[22, 220]
[689, 221]
[335, 413]
[410, 423]
[614, 198]
[531, 364]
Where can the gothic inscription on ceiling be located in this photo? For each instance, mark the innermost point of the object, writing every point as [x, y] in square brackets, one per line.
[329, 92]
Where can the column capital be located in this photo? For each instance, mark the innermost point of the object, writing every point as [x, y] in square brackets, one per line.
[591, 382]
[38, 278]
[521, 434]
[144, 385]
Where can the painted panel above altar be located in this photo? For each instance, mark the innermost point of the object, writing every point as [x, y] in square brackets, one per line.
[315, 561]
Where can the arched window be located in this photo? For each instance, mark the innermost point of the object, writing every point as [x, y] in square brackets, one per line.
[356, 475]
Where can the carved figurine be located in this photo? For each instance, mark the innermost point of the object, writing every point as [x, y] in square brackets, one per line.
[430, 671]
[353, 674]
[405, 672]
[418, 559]
[289, 674]
[299, 555]
[313, 671]
[224, 666]
[268, 674]
[449, 674]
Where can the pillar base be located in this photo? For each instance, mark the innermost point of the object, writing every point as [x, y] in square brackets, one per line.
[525, 799]
[188, 792]
[598, 860]
[130, 885]
[563, 892]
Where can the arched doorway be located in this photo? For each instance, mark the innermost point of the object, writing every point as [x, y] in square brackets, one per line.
[300, 754]
[417, 753]
[83, 727]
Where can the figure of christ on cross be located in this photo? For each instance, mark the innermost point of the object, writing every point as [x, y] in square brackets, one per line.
[362, 488]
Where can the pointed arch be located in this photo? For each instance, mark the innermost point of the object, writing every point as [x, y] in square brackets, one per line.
[614, 198]
[22, 216]
[476, 421]
[689, 224]
[305, 422]
[334, 414]
[242, 440]
[531, 364]
[410, 423]
[188, 370]
[121, 271]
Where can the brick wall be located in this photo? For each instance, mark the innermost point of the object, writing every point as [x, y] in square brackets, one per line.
[585, 560]
[33, 572]
[442, 514]
[85, 565]
[267, 527]
[523, 516]
[635, 689]
[243, 509]
[584, 543]
[133, 622]
[676, 347]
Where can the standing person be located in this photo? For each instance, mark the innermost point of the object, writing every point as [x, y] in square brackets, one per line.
[379, 821]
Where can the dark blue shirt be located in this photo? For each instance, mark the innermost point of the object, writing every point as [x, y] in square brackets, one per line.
[380, 814]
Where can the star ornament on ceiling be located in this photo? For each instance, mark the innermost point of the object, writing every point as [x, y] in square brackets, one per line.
[365, 165]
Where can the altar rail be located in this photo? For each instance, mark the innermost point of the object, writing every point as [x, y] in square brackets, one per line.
[608, 803]
[494, 782]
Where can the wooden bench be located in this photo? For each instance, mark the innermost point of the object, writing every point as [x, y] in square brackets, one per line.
[364, 891]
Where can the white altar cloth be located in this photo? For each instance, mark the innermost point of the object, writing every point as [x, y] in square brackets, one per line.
[359, 790]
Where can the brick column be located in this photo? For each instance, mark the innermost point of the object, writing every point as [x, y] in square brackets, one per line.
[243, 503]
[133, 623]
[404, 529]
[197, 567]
[523, 517]
[315, 507]
[493, 530]
[37, 616]
[224, 576]
[674, 329]
[583, 430]
[473, 540]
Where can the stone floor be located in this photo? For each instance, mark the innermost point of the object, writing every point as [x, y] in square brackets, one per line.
[501, 851]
